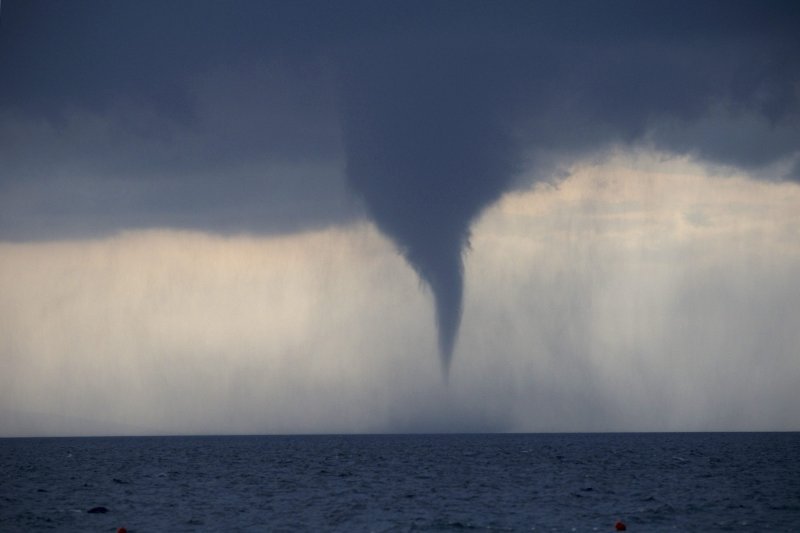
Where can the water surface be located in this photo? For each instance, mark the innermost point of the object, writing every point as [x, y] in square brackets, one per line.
[523, 482]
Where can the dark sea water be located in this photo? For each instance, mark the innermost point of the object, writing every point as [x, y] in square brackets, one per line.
[534, 482]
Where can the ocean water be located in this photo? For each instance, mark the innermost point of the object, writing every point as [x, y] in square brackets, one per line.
[517, 482]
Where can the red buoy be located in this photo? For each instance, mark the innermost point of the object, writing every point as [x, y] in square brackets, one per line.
[122, 530]
[620, 526]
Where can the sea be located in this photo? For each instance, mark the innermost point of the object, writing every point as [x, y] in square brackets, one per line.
[481, 482]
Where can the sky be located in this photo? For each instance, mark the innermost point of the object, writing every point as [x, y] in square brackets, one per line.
[315, 217]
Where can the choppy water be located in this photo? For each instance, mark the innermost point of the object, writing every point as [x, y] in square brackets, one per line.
[540, 482]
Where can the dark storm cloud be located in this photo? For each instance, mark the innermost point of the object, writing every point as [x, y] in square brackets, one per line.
[252, 115]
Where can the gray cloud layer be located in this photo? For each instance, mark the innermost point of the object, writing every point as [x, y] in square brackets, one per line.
[262, 116]
[185, 104]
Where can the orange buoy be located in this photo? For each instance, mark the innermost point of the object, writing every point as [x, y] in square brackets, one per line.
[620, 526]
